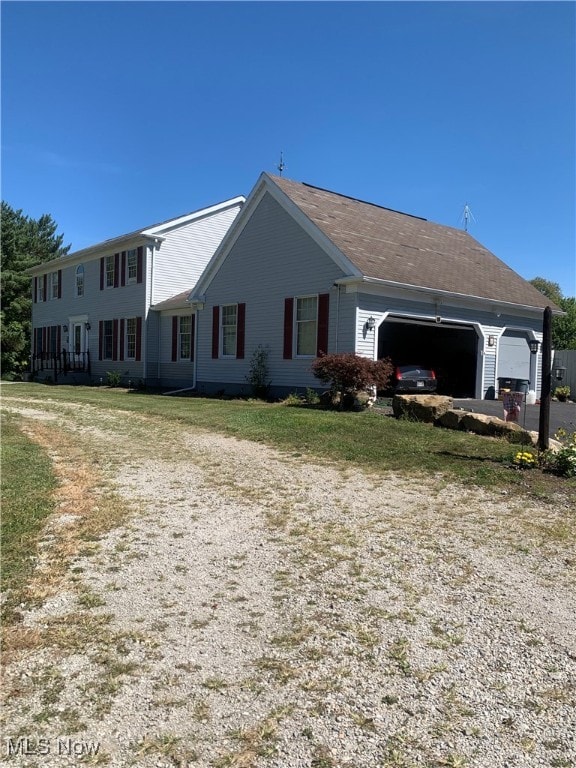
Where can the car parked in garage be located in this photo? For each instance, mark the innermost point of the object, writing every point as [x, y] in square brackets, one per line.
[412, 379]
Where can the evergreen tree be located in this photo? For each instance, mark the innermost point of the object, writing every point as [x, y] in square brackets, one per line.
[563, 328]
[25, 242]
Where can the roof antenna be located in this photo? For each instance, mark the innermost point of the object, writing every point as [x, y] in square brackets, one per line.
[466, 216]
[281, 165]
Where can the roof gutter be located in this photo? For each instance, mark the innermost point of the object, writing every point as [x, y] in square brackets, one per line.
[438, 292]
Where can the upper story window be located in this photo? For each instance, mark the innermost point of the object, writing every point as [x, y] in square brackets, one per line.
[229, 329]
[40, 289]
[54, 285]
[80, 280]
[306, 325]
[132, 265]
[109, 271]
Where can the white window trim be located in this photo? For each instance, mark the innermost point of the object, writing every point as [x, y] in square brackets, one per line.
[113, 272]
[83, 273]
[222, 355]
[126, 355]
[295, 326]
[128, 278]
[184, 358]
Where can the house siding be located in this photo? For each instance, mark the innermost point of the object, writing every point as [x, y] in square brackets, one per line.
[272, 259]
[182, 256]
[177, 374]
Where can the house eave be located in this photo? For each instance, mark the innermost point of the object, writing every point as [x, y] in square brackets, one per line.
[438, 294]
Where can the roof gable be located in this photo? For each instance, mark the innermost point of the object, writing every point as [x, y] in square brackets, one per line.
[395, 247]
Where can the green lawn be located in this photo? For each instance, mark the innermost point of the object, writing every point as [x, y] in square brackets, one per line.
[27, 483]
[368, 440]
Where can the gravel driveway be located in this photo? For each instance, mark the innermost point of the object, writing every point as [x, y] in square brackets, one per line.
[253, 608]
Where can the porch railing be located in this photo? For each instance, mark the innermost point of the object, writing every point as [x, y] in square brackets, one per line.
[63, 362]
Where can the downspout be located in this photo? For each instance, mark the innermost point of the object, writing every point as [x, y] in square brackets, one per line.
[337, 317]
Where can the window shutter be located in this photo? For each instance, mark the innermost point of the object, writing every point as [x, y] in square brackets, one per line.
[115, 339]
[240, 331]
[138, 339]
[58, 339]
[59, 283]
[123, 270]
[100, 338]
[323, 313]
[192, 335]
[122, 322]
[288, 327]
[116, 270]
[35, 290]
[139, 264]
[215, 331]
[102, 275]
[174, 339]
[45, 287]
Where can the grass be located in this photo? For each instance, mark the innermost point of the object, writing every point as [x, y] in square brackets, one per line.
[26, 503]
[368, 439]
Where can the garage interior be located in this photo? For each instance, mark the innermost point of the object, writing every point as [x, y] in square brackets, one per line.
[450, 350]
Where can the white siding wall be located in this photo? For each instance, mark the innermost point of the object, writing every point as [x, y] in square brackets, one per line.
[272, 259]
[95, 305]
[182, 256]
[172, 374]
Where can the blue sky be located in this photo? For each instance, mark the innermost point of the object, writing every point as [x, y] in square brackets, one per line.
[118, 115]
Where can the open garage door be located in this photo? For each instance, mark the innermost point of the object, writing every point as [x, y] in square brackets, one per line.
[451, 350]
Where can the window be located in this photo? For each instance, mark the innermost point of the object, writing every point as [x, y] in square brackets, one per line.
[184, 337]
[229, 329]
[80, 280]
[108, 340]
[54, 285]
[131, 338]
[109, 269]
[306, 326]
[40, 289]
[132, 262]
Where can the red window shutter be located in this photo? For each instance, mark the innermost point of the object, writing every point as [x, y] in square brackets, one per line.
[140, 264]
[174, 339]
[116, 270]
[138, 339]
[100, 338]
[122, 321]
[192, 335]
[35, 290]
[240, 331]
[44, 340]
[323, 315]
[102, 275]
[58, 339]
[215, 331]
[123, 270]
[288, 327]
[45, 287]
[115, 339]
[59, 283]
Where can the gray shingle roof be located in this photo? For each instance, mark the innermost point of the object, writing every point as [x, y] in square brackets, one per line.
[401, 248]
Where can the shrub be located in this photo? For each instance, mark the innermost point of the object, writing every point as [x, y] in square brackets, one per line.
[562, 393]
[113, 378]
[258, 377]
[350, 374]
[564, 461]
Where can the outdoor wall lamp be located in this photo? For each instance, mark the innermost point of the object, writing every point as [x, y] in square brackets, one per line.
[87, 326]
[370, 323]
[491, 340]
[559, 373]
[65, 328]
[533, 344]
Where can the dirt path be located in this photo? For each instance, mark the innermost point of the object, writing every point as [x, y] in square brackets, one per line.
[249, 608]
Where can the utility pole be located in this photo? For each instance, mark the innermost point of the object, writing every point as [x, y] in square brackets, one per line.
[546, 390]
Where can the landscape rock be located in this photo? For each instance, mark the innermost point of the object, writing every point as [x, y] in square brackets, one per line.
[426, 408]
[492, 426]
[450, 420]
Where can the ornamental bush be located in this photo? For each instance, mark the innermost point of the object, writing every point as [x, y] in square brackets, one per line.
[350, 374]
